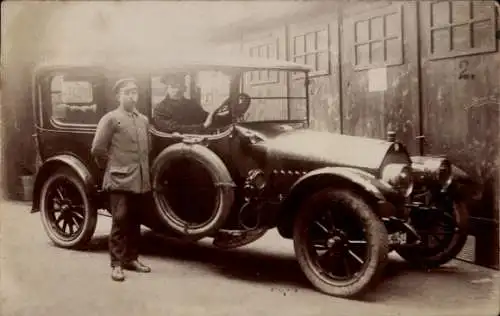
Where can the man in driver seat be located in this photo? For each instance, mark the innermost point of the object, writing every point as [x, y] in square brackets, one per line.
[177, 113]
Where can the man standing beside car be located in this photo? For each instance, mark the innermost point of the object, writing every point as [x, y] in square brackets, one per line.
[122, 145]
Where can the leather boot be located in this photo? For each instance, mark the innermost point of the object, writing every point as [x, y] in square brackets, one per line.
[117, 274]
[135, 265]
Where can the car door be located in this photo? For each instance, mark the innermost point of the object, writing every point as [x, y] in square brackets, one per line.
[70, 103]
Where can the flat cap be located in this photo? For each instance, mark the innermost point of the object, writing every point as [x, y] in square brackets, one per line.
[120, 83]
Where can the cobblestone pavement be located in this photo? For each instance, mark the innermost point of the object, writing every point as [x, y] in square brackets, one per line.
[263, 278]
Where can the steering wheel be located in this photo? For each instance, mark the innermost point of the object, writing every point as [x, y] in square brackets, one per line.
[239, 108]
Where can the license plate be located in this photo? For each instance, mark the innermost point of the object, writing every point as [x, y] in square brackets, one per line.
[397, 238]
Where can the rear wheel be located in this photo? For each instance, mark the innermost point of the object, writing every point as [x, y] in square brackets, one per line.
[341, 245]
[67, 215]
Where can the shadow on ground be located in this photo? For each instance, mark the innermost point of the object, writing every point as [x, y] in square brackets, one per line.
[244, 263]
[282, 270]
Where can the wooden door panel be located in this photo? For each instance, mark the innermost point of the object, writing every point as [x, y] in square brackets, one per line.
[461, 102]
[266, 83]
[314, 43]
[460, 89]
[379, 71]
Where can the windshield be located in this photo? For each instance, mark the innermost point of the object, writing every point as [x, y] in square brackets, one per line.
[270, 98]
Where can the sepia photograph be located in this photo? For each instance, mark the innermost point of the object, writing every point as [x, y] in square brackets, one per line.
[251, 157]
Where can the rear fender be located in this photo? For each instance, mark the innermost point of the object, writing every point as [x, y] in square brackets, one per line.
[52, 164]
[366, 185]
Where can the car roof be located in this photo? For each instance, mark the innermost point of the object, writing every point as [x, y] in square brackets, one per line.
[158, 62]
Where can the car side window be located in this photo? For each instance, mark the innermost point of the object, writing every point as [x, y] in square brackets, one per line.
[74, 100]
[208, 88]
[159, 90]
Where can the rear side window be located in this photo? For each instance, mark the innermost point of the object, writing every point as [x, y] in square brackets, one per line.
[75, 99]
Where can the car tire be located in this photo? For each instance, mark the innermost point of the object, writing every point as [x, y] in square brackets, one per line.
[221, 178]
[370, 228]
[428, 259]
[81, 213]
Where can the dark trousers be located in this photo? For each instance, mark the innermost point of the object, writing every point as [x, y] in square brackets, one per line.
[126, 227]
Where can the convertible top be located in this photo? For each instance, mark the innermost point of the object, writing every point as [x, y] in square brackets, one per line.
[157, 62]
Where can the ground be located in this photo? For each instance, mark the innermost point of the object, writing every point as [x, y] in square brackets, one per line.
[263, 278]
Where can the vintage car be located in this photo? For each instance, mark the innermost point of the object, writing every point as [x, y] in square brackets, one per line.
[345, 201]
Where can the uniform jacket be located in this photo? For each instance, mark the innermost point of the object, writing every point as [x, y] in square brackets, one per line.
[123, 143]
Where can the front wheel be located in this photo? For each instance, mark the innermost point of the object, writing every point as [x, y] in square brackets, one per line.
[443, 233]
[340, 244]
[67, 215]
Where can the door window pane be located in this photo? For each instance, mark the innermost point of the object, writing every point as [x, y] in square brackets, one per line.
[73, 101]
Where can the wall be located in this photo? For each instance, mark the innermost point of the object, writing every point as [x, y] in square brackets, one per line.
[21, 46]
[313, 43]
[270, 44]
[461, 97]
[377, 72]
[35, 31]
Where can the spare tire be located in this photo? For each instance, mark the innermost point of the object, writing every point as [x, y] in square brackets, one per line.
[192, 189]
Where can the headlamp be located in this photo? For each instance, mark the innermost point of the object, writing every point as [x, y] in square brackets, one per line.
[400, 177]
[439, 170]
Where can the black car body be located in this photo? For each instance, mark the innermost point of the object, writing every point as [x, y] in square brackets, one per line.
[352, 198]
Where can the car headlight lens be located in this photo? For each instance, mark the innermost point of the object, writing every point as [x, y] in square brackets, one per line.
[400, 177]
[440, 170]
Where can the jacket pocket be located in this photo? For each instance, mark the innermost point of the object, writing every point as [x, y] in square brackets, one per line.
[120, 171]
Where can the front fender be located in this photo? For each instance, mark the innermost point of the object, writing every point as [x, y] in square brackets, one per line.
[53, 163]
[363, 179]
[384, 200]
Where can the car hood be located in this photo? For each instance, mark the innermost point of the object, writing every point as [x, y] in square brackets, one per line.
[283, 143]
